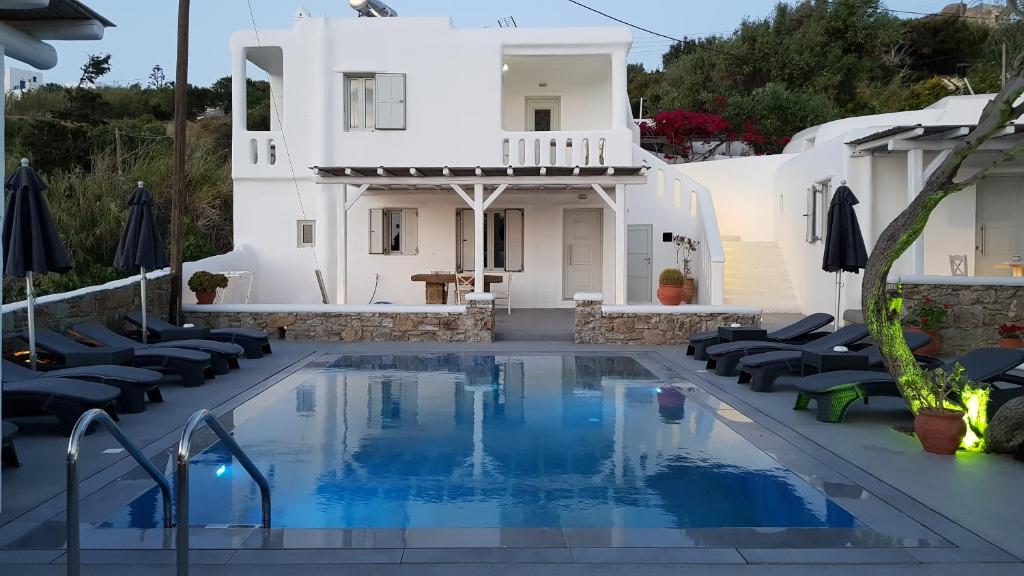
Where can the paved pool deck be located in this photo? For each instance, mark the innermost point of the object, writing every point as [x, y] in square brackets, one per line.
[967, 506]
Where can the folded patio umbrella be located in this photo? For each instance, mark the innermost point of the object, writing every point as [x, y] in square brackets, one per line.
[31, 243]
[141, 246]
[844, 244]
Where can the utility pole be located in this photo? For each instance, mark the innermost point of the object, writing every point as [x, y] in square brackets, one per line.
[178, 180]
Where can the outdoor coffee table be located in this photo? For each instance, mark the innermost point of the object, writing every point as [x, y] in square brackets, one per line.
[731, 334]
[831, 361]
[437, 285]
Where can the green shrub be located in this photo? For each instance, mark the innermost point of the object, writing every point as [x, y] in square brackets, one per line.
[204, 281]
[671, 277]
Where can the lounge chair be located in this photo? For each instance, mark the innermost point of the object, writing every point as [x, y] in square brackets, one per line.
[65, 398]
[255, 342]
[72, 353]
[190, 365]
[135, 383]
[761, 370]
[8, 454]
[224, 356]
[835, 392]
[725, 357]
[796, 332]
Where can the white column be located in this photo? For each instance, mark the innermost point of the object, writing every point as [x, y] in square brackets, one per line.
[620, 102]
[915, 182]
[478, 237]
[620, 244]
[342, 245]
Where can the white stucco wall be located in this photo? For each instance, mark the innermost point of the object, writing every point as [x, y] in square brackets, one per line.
[582, 84]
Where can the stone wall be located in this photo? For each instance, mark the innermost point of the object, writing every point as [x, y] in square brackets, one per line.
[107, 303]
[476, 324]
[975, 313]
[648, 327]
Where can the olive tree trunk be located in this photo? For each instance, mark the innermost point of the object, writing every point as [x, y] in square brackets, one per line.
[884, 308]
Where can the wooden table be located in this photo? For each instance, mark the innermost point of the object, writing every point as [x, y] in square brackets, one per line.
[1016, 268]
[437, 285]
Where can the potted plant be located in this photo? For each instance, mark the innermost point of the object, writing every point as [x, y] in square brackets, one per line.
[205, 285]
[685, 249]
[1011, 335]
[939, 423]
[670, 286]
[928, 317]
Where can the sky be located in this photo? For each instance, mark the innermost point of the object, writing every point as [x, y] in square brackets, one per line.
[145, 31]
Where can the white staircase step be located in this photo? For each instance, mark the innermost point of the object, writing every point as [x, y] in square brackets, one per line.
[755, 275]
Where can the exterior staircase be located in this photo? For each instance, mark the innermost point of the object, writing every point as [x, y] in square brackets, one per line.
[755, 275]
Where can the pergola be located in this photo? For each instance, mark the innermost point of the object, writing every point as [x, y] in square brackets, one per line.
[915, 141]
[479, 187]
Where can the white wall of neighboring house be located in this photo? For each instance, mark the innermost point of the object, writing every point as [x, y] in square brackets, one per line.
[20, 80]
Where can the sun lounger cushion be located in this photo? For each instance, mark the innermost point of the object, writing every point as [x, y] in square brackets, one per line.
[74, 353]
[164, 330]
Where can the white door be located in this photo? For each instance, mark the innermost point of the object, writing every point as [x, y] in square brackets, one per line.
[543, 114]
[999, 236]
[639, 283]
[581, 251]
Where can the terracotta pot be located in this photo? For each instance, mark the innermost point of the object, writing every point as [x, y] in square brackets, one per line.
[689, 290]
[670, 295]
[206, 297]
[1011, 343]
[940, 432]
[934, 347]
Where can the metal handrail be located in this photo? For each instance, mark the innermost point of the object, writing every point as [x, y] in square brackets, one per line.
[181, 479]
[74, 556]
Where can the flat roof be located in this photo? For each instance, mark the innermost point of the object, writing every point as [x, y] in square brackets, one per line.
[936, 137]
[439, 176]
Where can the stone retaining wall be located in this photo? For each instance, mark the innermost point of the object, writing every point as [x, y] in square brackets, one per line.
[476, 324]
[100, 304]
[644, 328]
[976, 311]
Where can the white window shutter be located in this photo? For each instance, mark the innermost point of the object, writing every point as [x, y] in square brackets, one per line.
[810, 216]
[466, 240]
[376, 231]
[410, 231]
[514, 240]
[390, 101]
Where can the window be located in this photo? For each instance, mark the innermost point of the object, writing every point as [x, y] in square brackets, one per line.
[375, 102]
[305, 233]
[503, 240]
[818, 196]
[394, 231]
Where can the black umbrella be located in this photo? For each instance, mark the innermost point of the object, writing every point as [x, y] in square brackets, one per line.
[844, 245]
[31, 243]
[141, 245]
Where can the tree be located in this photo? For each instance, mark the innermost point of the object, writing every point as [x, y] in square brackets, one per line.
[157, 79]
[85, 105]
[884, 307]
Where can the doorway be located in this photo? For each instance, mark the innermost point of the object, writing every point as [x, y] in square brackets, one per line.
[639, 248]
[543, 114]
[581, 251]
[999, 235]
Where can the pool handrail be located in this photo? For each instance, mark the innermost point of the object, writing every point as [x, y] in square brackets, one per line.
[181, 479]
[96, 415]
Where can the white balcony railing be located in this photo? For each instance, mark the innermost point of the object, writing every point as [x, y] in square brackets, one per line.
[259, 154]
[566, 148]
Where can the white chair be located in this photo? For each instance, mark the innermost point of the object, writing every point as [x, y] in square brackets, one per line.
[504, 293]
[463, 286]
[958, 264]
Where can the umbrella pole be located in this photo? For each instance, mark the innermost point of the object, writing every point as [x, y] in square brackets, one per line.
[142, 288]
[30, 296]
[839, 297]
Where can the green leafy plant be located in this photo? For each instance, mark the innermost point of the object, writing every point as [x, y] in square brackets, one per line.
[671, 277]
[940, 390]
[928, 315]
[686, 247]
[204, 281]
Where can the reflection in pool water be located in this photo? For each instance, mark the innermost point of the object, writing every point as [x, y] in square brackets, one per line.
[491, 441]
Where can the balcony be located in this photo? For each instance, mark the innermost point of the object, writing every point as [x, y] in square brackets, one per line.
[566, 148]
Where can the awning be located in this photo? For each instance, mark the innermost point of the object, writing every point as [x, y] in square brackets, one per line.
[435, 177]
[933, 138]
[56, 10]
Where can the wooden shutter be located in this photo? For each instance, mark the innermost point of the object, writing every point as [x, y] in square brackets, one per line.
[390, 101]
[514, 240]
[410, 231]
[376, 231]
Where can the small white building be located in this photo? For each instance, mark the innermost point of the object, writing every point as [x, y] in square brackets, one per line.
[402, 146]
[17, 81]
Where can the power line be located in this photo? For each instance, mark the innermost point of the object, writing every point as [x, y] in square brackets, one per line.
[881, 8]
[652, 32]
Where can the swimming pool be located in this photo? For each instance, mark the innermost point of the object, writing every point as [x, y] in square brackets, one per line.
[486, 441]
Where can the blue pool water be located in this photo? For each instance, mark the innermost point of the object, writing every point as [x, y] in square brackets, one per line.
[466, 441]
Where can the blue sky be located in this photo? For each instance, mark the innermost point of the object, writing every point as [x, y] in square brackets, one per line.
[145, 32]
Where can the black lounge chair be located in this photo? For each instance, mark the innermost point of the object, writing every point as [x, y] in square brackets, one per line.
[761, 370]
[65, 398]
[725, 357]
[72, 353]
[255, 342]
[190, 365]
[799, 331]
[8, 454]
[135, 383]
[835, 392]
[224, 356]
